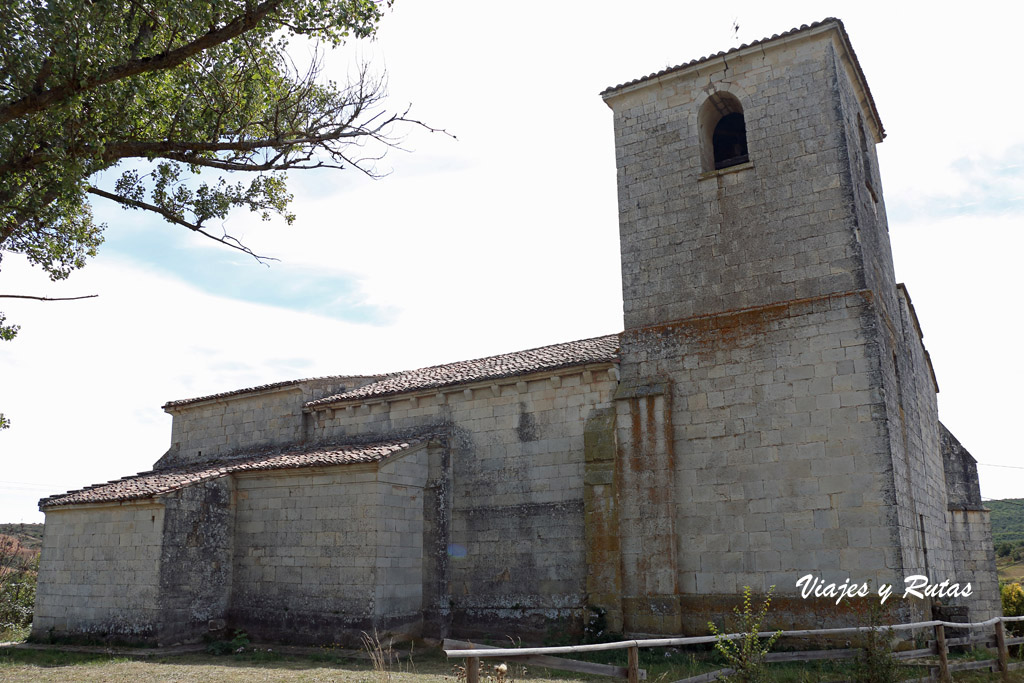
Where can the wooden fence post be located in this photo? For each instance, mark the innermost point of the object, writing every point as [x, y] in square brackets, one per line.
[472, 670]
[634, 664]
[940, 644]
[1004, 654]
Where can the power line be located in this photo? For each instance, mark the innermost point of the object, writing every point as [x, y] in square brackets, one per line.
[1005, 501]
[1009, 467]
[27, 483]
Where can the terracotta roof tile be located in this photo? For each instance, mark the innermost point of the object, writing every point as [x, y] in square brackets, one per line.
[804, 27]
[701, 60]
[595, 350]
[158, 482]
[264, 387]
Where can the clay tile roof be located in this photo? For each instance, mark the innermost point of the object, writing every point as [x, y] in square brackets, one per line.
[262, 387]
[777, 36]
[595, 350]
[158, 482]
[744, 46]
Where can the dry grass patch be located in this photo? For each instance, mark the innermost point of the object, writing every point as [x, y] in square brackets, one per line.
[426, 667]
[61, 667]
[1010, 570]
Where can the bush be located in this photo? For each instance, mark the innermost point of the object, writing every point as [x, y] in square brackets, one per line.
[876, 663]
[1013, 605]
[596, 628]
[746, 654]
[236, 645]
[17, 588]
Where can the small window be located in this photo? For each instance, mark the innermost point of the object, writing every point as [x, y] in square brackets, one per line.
[723, 132]
[730, 141]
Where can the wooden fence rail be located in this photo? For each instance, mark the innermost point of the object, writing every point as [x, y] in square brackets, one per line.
[542, 656]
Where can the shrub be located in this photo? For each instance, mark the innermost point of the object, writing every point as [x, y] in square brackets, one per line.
[18, 569]
[876, 663]
[237, 644]
[596, 628]
[1013, 605]
[746, 653]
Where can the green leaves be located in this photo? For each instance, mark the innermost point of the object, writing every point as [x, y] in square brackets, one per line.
[746, 652]
[7, 332]
[201, 89]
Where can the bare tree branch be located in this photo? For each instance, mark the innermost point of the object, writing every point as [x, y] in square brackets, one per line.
[225, 239]
[47, 298]
[168, 148]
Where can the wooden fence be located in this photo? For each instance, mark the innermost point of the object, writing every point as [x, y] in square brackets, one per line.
[938, 671]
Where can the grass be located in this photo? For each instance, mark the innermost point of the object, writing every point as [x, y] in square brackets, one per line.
[424, 667]
[1009, 570]
[250, 667]
[13, 634]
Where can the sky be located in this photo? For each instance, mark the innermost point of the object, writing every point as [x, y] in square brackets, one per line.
[503, 235]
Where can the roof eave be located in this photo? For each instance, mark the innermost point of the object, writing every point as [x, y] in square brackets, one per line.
[779, 40]
[174, 407]
[325, 404]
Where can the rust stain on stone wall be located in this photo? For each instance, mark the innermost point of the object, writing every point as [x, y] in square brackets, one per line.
[729, 328]
[636, 436]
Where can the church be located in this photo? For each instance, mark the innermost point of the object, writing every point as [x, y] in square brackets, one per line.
[768, 412]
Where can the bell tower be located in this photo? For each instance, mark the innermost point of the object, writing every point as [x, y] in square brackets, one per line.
[741, 178]
[776, 412]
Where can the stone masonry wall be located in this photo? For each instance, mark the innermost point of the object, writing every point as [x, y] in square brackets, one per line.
[728, 272]
[99, 573]
[974, 562]
[933, 543]
[970, 526]
[859, 170]
[209, 429]
[778, 228]
[906, 373]
[778, 462]
[915, 441]
[196, 560]
[436, 607]
[510, 551]
[647, 484]
[961, 473]
[322, 554]
[398, 592]
[601, 510]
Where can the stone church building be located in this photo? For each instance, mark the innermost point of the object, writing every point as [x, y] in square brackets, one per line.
[769, 411]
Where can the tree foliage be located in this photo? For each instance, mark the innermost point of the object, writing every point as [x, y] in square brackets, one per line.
[1007, 522]
[87, 84]
[182, 94]
[191, 86]
[1012, 596]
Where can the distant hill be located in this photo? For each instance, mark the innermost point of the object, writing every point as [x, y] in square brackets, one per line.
[29, 536]
[1007, 520]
